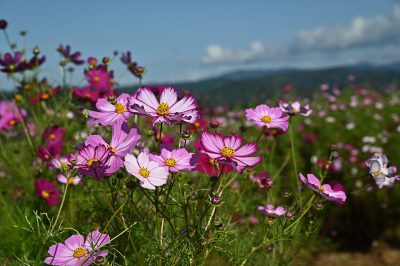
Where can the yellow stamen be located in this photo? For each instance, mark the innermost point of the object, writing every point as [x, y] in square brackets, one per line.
[377, 173]
[266, 119]
[91, 161]
[112, 149]
[12, 122]
[63, 165]
[120, 108]
[197, 124]
[45, 96]
[52, 136]
[211, 161]
[80, 252]
[96, 79]
[227, 152]
[163, 109]
[170, 162]
[45, 194]
[70, 181]
[18, 98]
[144, 172]
[320, 187]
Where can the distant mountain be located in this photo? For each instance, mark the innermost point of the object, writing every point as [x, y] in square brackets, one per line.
[242, 87]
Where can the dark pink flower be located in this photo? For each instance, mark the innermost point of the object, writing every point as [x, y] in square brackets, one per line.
[271, 211]
[176, 160]
[269, 117]
[112, 112]
[47, 191]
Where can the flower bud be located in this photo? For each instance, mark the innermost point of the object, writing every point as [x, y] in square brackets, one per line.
[216, 200]
[3, 24]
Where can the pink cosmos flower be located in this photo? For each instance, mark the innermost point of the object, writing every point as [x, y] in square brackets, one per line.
[60, 163]
[262, 179]
[122, 142]
[271, 211]
[68, 179]
[91, 160]
[166, 110]
[9, 115]
[229, 150]
[111, 113]
[270, 117]
[176, 160]
[149, 172]
[78, 251]
[325, 190]
[47, 191]
[295, 108]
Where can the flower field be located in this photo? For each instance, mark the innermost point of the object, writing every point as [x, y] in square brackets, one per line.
[155, 176]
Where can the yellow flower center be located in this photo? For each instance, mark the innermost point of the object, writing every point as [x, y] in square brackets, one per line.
[320, 187]
[197, 124]
[63, 164]
[170, 162]
[45, 96]
[18, 98]
[294, 110]
[80, 252]
[52, 136]
[120, 108]
[144, 172]
[96, 79]
[91, 161]
[211, 161]
[70, 181]
[112, 149]
[45, 194]
[377, 172]
[266, 119]
[227, 152]
[12, 122]
[163, 109]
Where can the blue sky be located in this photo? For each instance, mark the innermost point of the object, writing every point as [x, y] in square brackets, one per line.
[188, 40]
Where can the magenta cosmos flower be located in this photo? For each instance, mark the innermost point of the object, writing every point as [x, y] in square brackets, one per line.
[91, 160]
[168, 109]
[325, 190]
[111, 112]
[47, 191]
[99, 78]
[229, 150]
[150, 173]
[270, 117]
[122, 142]
[176, 160]
[271, 211]
[78, 251]
[295, 108]
[9, 115]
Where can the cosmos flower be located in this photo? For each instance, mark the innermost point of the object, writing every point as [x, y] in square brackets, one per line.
[149, 172]
[12, 63]
[9, 115]
[68, 179]
[91, 160]
[295, 108]
[3, 24]
[78, 251]
[60, 163]
[332, 194]
[229, 150]
[270, 117]
[111, 112]
[384, 175]
[47, 191]
[176, 160]
[69, 56]
[44, 95]
[166, 110]
[262, 179]
[99, 78]
[122, 142]
[271, 211]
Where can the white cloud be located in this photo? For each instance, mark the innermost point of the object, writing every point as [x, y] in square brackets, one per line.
[361, 33]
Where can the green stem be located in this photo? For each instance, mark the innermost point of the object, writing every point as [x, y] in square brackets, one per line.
[293, 148]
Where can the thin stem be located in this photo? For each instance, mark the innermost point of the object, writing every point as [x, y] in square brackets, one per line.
[59, 210]
[292, 147]
[259, 136]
